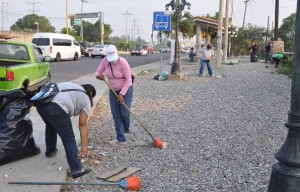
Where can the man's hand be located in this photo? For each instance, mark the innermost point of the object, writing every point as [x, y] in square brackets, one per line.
[100, 77]
[121, 98]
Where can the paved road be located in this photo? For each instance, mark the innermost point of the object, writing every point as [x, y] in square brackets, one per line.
[69, 70]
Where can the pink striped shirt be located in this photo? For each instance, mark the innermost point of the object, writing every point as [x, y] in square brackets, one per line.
[121, 77]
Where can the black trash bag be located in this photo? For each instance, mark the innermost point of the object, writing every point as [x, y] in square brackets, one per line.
[16, 139]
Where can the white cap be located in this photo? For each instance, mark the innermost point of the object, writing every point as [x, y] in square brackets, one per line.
[111, 53]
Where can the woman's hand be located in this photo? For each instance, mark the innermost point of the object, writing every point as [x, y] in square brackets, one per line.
[82, 154]
[100, 77]
[120, 98]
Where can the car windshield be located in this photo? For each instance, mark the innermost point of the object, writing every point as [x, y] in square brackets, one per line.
[136, 48]
[11, 51]
[100, 46]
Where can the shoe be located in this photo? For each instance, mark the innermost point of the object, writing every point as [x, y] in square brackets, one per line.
[200, 75]
[114, 141]
[51, 154]
[81, 173]
[123, 143]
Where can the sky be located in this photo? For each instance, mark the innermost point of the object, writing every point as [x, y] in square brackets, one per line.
[140, 12]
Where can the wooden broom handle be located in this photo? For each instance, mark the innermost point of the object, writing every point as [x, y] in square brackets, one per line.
[130, 110]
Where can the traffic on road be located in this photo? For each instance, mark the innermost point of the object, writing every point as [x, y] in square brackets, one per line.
[70, 70]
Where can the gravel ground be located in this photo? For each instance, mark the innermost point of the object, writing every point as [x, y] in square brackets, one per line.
[221, 133]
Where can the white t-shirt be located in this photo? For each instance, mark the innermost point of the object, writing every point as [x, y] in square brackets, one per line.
[72, 102]
[207, 53]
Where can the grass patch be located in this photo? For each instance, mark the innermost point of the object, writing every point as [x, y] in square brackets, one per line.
[287, 68]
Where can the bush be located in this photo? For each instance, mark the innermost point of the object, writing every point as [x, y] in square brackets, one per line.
[286, 67]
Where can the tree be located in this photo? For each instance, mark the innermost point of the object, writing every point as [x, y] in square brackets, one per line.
[287, 32]
[186, 24]
[28, 23]
[241, 45]
[91, 32]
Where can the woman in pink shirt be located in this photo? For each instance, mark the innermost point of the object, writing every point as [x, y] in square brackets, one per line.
[118, 73]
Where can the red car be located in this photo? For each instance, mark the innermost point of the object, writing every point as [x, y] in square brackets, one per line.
[148, 49]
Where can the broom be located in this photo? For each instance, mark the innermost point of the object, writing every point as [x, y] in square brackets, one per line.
[130, 183]
[157, 141]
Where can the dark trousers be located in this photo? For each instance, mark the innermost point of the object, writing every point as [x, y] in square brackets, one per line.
[120, 114]
[59, 122]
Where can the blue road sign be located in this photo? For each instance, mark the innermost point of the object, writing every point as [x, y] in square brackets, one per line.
[161, 22]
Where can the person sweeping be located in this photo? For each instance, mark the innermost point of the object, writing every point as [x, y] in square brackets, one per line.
[118, 73]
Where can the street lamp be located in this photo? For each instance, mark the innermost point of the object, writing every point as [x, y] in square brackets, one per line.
[232, 32]
[178, 6]
[37, 26]
[285, 174]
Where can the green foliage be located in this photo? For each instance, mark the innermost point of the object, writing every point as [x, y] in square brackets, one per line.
[287, 32]
[27, 23]
[186, 24]
[241, 45]
[286, 68]
[91, 32]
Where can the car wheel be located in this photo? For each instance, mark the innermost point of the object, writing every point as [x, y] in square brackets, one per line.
[102, 56]
[93, 56]
[75, 57]
[58, 57]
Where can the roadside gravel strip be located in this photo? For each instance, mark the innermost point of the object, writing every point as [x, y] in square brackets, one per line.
[221, 133]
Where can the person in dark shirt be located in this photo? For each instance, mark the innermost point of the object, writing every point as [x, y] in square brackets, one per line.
[268, 53]
[255, 48]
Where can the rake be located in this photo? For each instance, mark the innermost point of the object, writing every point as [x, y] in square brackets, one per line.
[157, 141]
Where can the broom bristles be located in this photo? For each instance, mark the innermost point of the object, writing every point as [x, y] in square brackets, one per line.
[133, 183]
[158, 143]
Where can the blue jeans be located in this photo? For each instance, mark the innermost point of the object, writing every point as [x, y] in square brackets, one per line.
[208, 64]
[59, 122]
[120, 114]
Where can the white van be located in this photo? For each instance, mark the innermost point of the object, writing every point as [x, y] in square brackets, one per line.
[57, 46]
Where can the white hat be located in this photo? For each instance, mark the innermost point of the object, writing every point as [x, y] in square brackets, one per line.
[111, 53]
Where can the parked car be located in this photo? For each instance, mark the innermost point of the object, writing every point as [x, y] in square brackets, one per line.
[84, 51]
[165, 50]
[99, 50]
[138, 51]
[87, 48]
[185, 50]
[22, 65]
[148, 49]
[58, 46]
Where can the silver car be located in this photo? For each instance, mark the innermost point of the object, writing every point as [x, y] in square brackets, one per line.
[99, 50]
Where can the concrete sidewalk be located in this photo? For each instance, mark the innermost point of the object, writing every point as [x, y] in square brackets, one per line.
[40, 168]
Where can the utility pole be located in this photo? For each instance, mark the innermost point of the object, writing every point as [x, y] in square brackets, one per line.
[101, 27]
[127, 13]
[2, 13]
[33, 6]
[246, 3]
[276, 20]
[268, 26]
[219, 36]
[67, 17]
[134, 21]
[81, 26]
[226, 31]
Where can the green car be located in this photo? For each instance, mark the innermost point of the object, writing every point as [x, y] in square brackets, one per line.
[22, 65]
